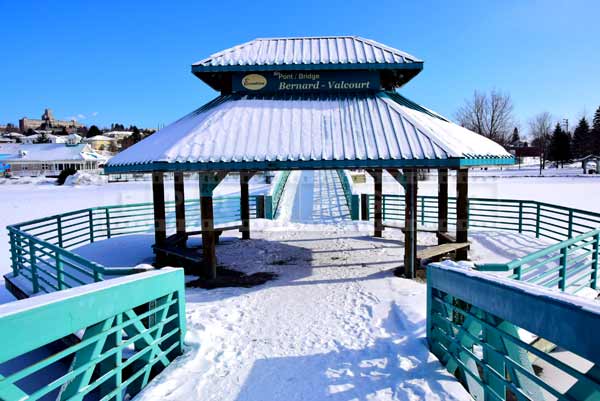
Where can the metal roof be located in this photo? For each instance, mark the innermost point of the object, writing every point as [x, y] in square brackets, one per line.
[284, 52]
[269, 132]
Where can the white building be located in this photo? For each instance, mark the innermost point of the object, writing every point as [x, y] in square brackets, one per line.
[101, 142]
[49, 158]
[118, 135]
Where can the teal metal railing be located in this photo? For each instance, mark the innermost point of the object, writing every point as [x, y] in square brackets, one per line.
[351, 198]
[570, 265]
[272, 200]
[128, 330]
[41, 249]
[474, 326]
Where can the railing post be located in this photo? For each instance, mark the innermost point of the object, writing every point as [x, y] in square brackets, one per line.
[570, 223]
[354, 212]
[537, 220]
[59, 230]
[268, 207]
[595, 261]
[562, 273]
[520, 217]
[59, 271]
[107, 222]
[33, 265]
[13, 253]
[91, 224]
[364, 206]
[260, 207]
[518, 272]
[422, 210]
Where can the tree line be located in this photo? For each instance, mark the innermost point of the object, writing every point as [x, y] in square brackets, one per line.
[492, 115]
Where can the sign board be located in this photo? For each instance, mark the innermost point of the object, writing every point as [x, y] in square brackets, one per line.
[305, 81]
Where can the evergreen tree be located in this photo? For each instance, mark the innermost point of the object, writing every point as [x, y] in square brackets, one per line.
[581, 139]
[515, 136]
[93, 131]
[554, 147]
[136, 136]
[43, 138]
[560, 146]
[595, 133]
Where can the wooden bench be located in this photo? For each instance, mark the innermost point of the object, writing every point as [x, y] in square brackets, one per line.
[183, 254]
[437, 251]
[401, 228]
[218, 230]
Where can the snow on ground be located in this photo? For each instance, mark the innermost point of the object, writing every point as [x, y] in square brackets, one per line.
[335, 324]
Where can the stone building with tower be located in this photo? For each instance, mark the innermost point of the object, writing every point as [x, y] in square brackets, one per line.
[47, 121]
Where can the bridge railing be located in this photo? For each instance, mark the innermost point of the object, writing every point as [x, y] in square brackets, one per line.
[137, 332]
[352, 199]
[542, 219]
[41, 249]
[272, 200]
[474, 326]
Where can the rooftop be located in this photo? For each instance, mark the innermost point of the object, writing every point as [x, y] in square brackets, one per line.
[308, 53]
[271, 132]
[47, 152]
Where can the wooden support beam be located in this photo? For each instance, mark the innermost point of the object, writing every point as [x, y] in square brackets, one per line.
[160, 223]
[245, 203]
[208, 183]
[462, 211]
[179, 203]
[410, 223]
[442, 204]
[364, 206]
[378, 209]
[209, 243]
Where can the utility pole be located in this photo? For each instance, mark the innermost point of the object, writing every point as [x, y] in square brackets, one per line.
[566, 124]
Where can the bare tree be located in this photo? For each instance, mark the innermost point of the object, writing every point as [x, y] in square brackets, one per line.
[540, 130]
[489, 115]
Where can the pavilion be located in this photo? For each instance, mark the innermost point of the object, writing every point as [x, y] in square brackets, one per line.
[308, 103]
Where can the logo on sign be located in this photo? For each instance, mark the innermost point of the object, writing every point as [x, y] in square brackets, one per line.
[254, 82]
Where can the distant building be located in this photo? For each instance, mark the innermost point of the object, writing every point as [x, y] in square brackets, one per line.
[101, 142]
[49, 158]
[118, 135]
[47, 121]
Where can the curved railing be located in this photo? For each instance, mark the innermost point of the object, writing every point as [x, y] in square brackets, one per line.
[41, 250]
[570, 264]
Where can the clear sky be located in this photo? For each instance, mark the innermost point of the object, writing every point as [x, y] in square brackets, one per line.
[129, 61]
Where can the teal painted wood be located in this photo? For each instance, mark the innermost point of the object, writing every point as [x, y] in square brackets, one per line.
[147, 310]
[274, 199]
[351, 199]
[309, 165]
[492, 360]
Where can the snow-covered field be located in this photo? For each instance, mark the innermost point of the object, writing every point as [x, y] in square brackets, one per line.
[335, 324]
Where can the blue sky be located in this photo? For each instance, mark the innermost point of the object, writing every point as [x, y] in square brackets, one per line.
[129, 61]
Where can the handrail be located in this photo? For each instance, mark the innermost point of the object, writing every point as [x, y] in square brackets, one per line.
[40, 247]
[138, 331]
[475, 324]
[351, 198]
[272, 200]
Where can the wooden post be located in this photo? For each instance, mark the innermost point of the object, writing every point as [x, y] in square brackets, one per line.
[462, 211]
[208, 182]
[209, 254]
[179, 203]
[160, 224]
[378, 209]
[364, 206]
[245, 203]
[442, 203]
[410, 223]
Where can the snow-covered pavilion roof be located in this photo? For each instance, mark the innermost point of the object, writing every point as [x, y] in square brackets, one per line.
[281, 52]
[274, 132]
[308, 53]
